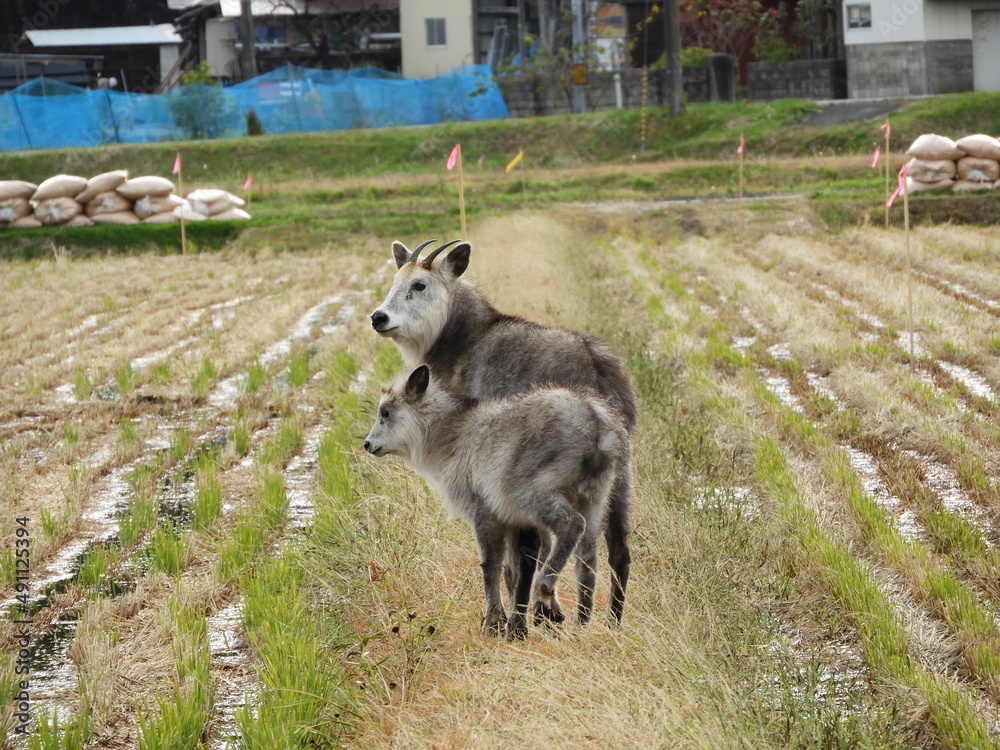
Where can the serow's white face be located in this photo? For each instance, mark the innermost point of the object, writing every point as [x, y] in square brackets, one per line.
[416, 308]
[398, 424]
[394, 429]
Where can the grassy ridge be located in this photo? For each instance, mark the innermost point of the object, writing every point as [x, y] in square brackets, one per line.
[703, 131]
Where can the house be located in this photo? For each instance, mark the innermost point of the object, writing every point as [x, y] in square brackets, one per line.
[310, 33]
[139, 58]
[920, 47]
[438, 35]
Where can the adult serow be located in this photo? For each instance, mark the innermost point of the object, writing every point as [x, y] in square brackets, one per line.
[546, 459]
[436, 317]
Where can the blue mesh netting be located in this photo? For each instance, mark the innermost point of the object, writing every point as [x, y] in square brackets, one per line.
[49, 114]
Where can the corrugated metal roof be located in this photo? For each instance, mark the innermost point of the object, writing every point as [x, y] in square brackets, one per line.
[231, 8]
[110, 36]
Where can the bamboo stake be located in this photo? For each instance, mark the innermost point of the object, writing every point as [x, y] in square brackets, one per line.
[887, 130]
[179, 168]
[461, 194]
[909, 267]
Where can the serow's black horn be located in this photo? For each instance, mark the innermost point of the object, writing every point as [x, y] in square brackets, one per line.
[438, 250]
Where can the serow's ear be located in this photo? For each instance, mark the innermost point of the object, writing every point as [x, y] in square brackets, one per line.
[457, 259]
[416, 384]
[400, 254]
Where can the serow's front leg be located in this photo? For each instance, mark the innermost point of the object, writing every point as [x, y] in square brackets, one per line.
[490, 539]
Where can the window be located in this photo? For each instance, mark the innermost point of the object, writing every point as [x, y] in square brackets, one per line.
[435, 32]
[859, 16]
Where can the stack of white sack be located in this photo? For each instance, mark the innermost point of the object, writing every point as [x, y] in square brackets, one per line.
[151, 196]
[212, 203]
[933, 164]
[102, 203]
[55, 200]
[14, 205]
[980, 168]
[939, 163]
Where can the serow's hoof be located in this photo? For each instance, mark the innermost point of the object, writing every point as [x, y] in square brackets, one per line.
[517, 628]
[493, 626]
[548, 614]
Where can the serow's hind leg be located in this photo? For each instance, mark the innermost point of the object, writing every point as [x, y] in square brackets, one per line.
[519, 572]
[566, 525]
[616, 535]
[586, 576]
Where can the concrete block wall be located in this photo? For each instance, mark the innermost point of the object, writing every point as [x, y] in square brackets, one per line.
[798, 79]
[909, 68]
[528, 96]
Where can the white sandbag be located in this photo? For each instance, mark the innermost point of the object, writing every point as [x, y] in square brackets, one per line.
[931, 147]
[102, 183]
[53, 211]
[156, 204]
[165, 217]
[27, 222]
[187, 212]
[108, 203]
[211, 195]
[12, 209]
[981, 146]
[140, 187]
[913, 186]
[60, 186]
[16, 189]
[80, 220]
[210, 201]
[930, 171]
[974, 169]
[233, 214]
[120, 217]
[961, 186]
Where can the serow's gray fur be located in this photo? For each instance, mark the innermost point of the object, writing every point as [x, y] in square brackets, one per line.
[437, 318]
[546, 460]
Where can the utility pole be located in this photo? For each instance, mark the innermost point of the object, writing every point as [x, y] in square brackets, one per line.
[248, 52]
[579, 59]
[675, 72]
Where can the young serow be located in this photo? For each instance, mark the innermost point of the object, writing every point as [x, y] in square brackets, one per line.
[437, 318]
[543, 460]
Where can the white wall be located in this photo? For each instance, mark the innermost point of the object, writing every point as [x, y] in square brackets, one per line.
[948, 20]
[916, 20]
[421, 61]
[220, 46]
[892, 21]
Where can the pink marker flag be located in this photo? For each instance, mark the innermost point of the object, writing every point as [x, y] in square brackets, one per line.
[743, 142]
[886, 127]
[875, 156]
[453, 159]
[177, 164]
[900, 187]
[249, 183]
[482, 158]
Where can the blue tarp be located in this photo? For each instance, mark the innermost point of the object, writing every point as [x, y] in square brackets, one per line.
[45, 113]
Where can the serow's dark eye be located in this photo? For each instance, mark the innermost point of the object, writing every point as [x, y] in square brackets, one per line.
[384, 413]
[418, 286]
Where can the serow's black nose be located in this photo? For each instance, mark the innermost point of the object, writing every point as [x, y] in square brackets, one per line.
[368, 446]
[379, 319]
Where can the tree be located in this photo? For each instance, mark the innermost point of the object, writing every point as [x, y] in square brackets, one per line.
[730, 26]
[335, 34]
[200, 106]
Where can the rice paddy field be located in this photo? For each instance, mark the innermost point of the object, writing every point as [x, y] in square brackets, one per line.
[196, 552]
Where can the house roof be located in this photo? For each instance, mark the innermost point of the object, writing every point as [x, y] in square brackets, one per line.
[263, 8]
[109, 36]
